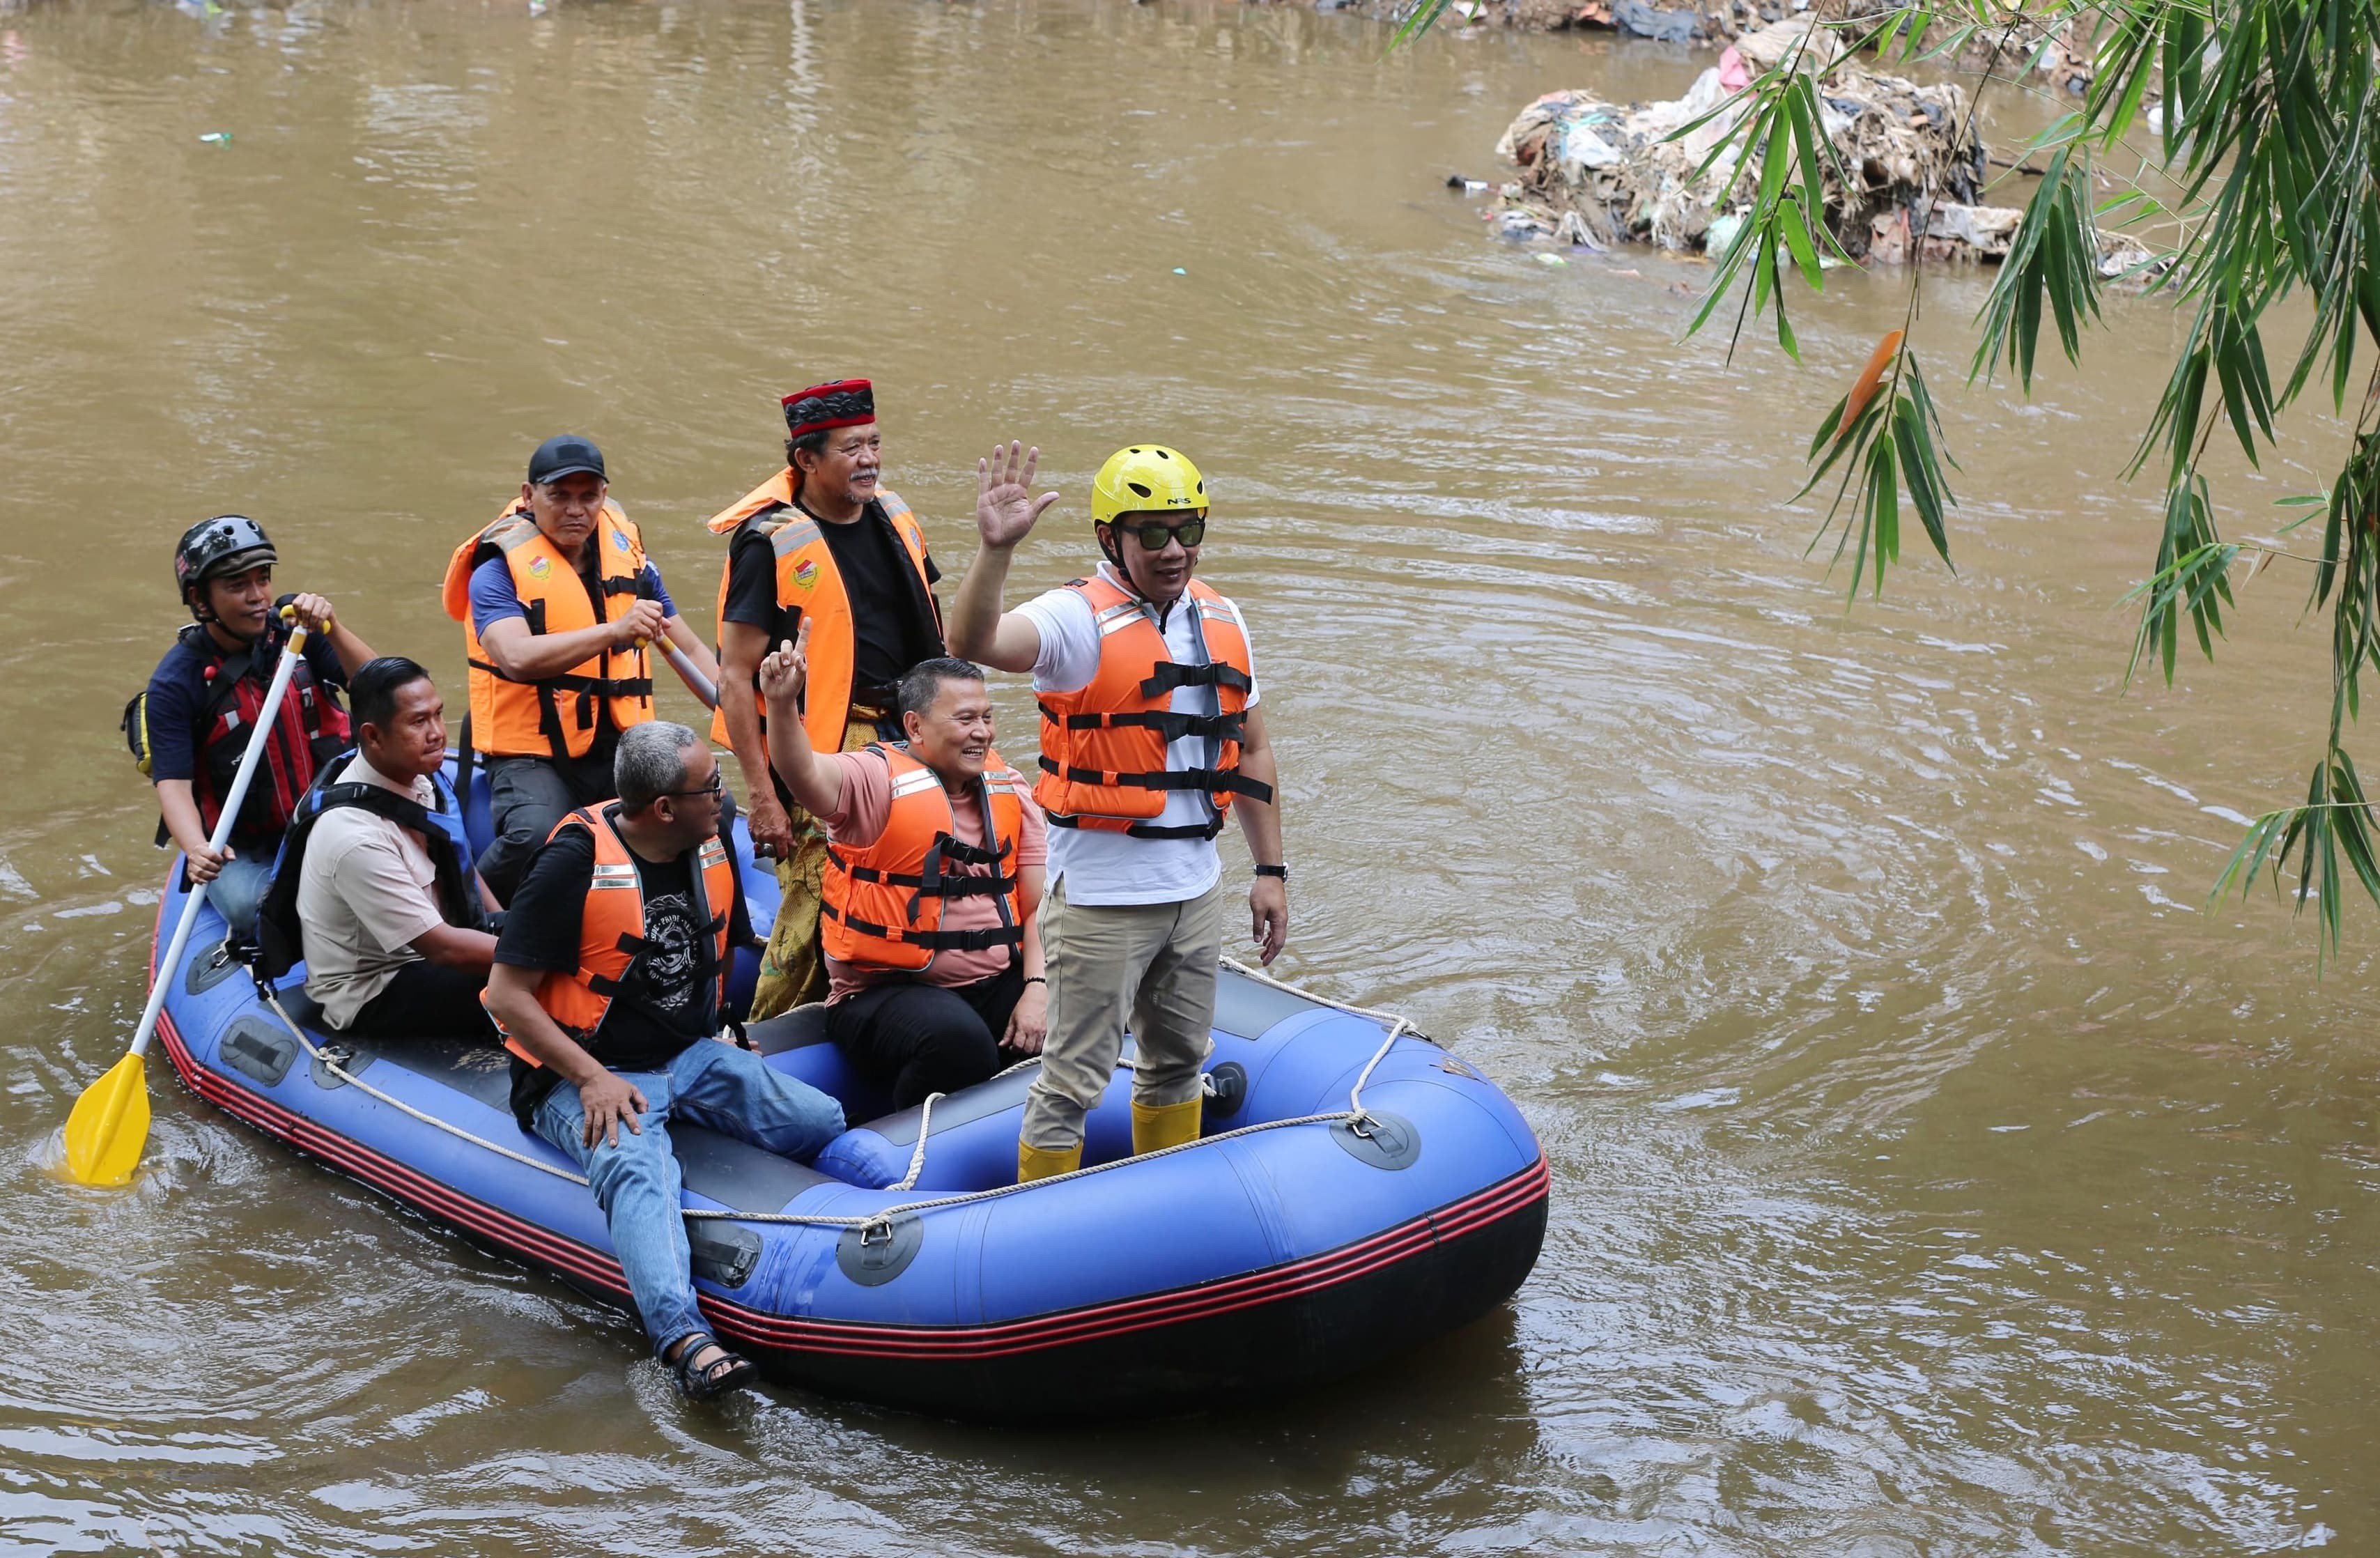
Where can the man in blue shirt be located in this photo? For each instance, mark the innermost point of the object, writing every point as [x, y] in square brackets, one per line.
[558, 602]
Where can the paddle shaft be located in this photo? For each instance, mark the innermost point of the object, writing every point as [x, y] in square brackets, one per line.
[697, 683]
[259, 737]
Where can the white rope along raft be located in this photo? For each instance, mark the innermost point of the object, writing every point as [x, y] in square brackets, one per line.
[878, 1225]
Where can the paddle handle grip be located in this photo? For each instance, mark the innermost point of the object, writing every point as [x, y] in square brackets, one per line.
[171, 963]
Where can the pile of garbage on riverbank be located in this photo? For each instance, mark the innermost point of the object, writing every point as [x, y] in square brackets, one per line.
[2019, 47]
[1910, 169]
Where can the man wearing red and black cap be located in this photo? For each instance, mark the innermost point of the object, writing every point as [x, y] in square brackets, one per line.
[823, 541]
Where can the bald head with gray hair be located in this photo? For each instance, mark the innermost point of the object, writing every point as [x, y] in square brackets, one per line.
[651, 761]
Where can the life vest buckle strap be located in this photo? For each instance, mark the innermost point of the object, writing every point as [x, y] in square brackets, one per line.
[1170, 675]
[1147, 830]
[1192, 830]
[961, 941]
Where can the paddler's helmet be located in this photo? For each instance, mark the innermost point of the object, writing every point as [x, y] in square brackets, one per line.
[1146, 477]
[229, 543]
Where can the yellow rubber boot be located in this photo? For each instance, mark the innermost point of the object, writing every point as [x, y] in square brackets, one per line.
[1169, 1125]
[1034, 1162]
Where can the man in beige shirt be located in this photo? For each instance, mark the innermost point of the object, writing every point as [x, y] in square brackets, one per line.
[395, 941]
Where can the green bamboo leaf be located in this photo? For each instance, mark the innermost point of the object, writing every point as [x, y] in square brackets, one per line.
[1794, 223]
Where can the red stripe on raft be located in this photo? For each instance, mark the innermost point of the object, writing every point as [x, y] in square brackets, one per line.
[847, 1338]
[1311, 1275]
[387, 1174]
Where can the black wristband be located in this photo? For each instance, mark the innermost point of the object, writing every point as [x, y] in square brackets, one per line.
[1036, 978]
[1281, 872]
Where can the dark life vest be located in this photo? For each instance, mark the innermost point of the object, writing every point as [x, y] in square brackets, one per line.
[279, 943]
[310, 730]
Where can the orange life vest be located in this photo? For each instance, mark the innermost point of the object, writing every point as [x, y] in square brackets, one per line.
[1103, 762]
[612, 929]
[808, 582]
[555, 717]
[882, 907]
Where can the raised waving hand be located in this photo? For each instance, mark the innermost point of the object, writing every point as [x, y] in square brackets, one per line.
[1006, 508]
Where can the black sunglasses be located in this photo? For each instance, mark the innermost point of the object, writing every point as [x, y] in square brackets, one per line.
[1154, 534]
[716, 788]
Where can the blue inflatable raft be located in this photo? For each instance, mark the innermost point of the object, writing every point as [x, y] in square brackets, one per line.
[1359, 1190]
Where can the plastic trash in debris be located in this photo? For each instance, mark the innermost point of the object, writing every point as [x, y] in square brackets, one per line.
[1722, 230]
[1662, 172]
[1544, 259]
[1667, 27]
[1585, 147]
[217, 138]
[1468, 185]
[1179, 272]
[537, 7]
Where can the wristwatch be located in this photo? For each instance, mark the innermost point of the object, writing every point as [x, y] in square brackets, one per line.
[1281, 872]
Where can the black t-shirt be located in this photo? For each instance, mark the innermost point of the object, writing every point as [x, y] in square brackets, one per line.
[893, 628]
[664, 1003]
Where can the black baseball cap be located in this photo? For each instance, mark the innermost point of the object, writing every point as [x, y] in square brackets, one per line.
[565, 454]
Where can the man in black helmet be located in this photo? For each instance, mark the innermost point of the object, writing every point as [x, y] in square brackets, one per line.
[190, 726]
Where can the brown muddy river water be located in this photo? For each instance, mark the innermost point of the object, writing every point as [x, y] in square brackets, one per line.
[1930, 1175]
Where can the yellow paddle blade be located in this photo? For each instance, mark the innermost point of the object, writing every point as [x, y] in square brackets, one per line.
[109, 1125]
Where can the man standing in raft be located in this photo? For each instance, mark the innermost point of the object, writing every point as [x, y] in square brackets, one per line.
[1150, 735]
[819, 546]
[190, 726]
[557, 602]
[608, 985]
[933, 875]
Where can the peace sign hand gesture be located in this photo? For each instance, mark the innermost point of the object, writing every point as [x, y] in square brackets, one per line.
[1006, 508]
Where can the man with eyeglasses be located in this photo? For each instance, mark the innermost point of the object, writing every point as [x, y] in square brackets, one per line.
[558, 602]
[1150, 737]
[608, 986]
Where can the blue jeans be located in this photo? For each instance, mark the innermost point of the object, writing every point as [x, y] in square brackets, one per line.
[635, 1182]
[237, 891]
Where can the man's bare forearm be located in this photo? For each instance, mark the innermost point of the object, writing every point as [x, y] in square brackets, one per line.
[736, 675]
[975, 609]
[512, 998]
[817, 784]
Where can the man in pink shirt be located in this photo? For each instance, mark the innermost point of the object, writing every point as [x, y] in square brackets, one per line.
[932, 884]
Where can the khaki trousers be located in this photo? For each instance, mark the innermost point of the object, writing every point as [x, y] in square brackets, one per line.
[1151, 963]
[793, 968]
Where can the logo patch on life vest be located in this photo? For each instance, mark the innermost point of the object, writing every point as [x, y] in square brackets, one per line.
[620, 540]
[806, 574]
[539, 567]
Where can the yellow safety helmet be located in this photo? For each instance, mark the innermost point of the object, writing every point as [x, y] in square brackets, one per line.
[1145, 477]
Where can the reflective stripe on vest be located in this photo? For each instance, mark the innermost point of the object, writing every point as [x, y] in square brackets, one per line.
[557, 716]
[1104, 763]
[810, 583]
[612, 930]
[883, 905]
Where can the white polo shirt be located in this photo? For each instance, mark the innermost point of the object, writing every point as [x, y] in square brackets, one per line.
[1114, 868]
